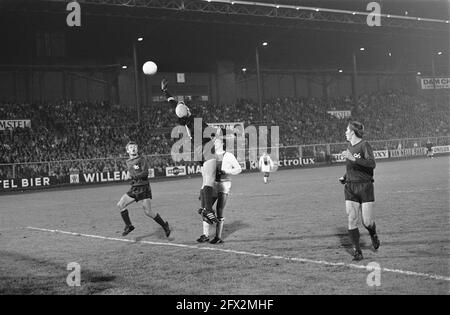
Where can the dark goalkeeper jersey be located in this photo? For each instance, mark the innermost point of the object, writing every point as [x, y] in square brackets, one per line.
[361, 170]
[138, 169]
[189, 123]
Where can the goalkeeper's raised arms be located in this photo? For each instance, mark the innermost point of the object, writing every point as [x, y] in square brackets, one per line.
[181, 110]
[169, 97]
[164, 84]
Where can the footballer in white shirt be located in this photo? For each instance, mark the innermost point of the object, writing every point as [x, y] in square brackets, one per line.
[266, 165]
[226, 166]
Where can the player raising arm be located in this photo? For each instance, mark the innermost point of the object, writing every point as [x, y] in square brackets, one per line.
[359, 189]
[140, 190]
[208, 160]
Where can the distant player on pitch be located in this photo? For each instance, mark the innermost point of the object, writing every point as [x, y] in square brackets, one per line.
[359, 190]
[429, 147]
[265, 165]
[226, 165]
[140, 190]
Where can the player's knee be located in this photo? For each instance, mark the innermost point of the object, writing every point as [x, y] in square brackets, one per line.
[352, 220]
[149, 213]
[352, 224]
[208, 181]
[367, 222]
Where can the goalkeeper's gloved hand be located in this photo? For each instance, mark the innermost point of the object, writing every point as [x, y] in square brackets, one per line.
[164, 84]
[342, 180]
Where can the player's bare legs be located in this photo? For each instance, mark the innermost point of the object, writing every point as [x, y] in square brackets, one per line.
[368, 219]
[123, 203]
[147, 206]
[353, 210]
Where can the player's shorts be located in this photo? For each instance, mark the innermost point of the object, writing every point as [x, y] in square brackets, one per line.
[265, 168]
[359, 192]
[139, 193]
[221, 187]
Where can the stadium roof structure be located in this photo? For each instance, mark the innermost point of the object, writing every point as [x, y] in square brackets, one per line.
[430, 17]
[190, 35]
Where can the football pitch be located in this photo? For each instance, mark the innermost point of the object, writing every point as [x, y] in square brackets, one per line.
[286, 237]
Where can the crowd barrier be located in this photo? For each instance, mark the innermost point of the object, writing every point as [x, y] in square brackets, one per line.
[289, 157]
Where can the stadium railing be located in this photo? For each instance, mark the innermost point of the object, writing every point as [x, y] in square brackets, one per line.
[162, 165]
[319, 151]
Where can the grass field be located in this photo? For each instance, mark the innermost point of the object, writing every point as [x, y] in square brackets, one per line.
[287, 237]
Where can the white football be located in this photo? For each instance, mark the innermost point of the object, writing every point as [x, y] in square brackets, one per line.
[149, 68]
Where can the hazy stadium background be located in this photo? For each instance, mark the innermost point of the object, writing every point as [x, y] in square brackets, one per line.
[76, 86]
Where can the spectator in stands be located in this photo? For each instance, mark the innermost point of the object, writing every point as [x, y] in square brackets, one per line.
[85, 131]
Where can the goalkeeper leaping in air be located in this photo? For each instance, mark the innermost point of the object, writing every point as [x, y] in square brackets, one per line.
[208, 160]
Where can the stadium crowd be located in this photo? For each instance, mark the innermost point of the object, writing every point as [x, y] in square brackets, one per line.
[93, 135]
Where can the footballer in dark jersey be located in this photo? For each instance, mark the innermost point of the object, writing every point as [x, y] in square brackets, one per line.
[359, 188]
[140, 190]
[206, 148]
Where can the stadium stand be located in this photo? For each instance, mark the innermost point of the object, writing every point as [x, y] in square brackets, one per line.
[86, 131]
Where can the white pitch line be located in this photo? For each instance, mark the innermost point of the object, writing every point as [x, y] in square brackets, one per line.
[296, 259]
[416, 190]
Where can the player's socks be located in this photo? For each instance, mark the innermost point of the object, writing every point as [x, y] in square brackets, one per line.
[208, 198]
[202, 198]
[126, 217]
[372, 229]
[206, 228]
[165, 225]
[159, 220]
[354, 238]
[265, 179]
[373, 235]
[219, 228]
